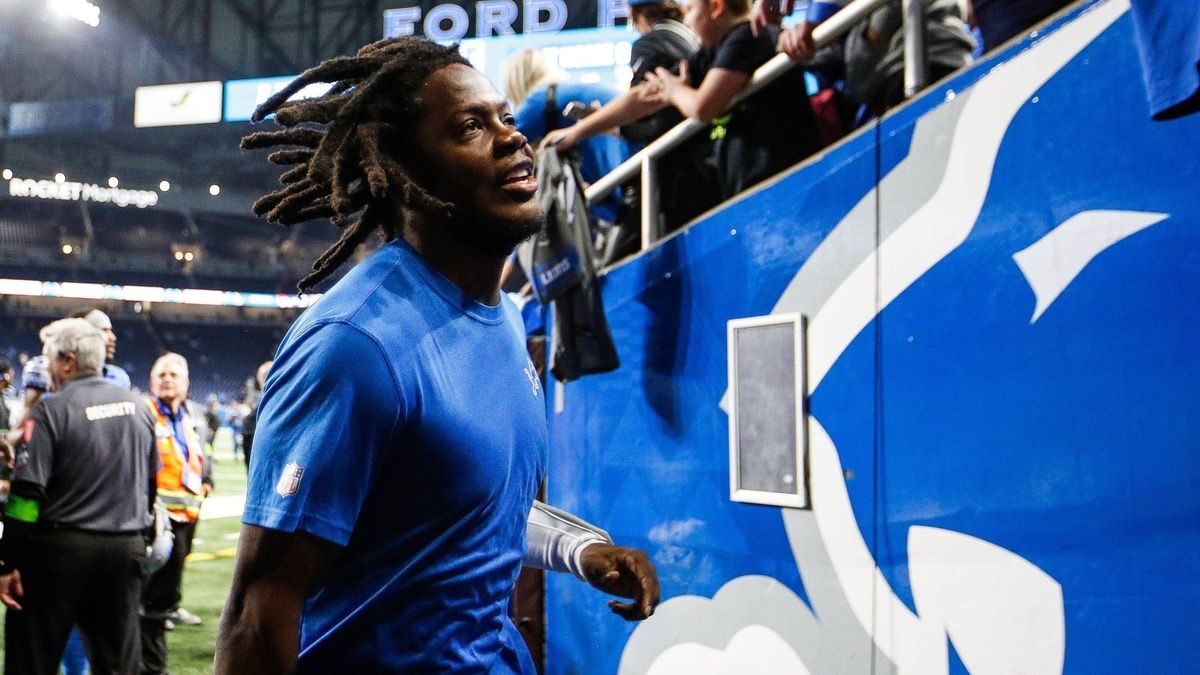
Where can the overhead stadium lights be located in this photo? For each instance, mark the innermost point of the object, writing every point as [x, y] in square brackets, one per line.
[8, 174]
[185, 252]
[112, 181]
[59, 177]
[164, 186]
[70, 246]
[214, 190]
[80, 10]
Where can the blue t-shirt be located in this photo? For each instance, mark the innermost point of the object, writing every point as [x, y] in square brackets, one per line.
[116, 375]
[598, 155]
[404, 421]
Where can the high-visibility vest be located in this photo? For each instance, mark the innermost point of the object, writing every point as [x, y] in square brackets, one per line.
[179, 480]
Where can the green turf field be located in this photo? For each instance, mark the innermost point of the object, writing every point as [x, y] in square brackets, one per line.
[206, 578]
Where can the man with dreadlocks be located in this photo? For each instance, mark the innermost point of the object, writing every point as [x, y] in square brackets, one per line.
[402, 435]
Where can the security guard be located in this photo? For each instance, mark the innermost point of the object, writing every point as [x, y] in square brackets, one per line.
[35, 378]
[183, 482]
[81, 503]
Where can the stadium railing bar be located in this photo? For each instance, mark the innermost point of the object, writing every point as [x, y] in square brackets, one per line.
[828, 31]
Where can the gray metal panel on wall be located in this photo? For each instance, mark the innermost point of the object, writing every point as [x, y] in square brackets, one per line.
[766, 431]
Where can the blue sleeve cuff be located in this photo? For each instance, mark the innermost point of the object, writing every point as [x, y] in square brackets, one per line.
[288, 521]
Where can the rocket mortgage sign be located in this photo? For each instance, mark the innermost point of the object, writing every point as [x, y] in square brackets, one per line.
[80, 192]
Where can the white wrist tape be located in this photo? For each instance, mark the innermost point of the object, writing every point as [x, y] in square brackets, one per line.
[555, 539]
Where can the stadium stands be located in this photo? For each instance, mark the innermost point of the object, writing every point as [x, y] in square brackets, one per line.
[28, 225]
[18, 334]
[222, 352]
[244, 239]
[125, 246]
[138, 232]
[222, 357]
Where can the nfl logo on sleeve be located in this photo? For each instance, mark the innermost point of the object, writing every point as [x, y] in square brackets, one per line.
[289, 480]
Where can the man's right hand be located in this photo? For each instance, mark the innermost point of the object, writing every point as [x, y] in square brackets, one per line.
[11, 589]
[797, 42]
[624, 572]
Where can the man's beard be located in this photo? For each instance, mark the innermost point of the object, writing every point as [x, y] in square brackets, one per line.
[495, 236]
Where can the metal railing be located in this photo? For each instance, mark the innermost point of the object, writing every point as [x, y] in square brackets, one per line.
[825, 33]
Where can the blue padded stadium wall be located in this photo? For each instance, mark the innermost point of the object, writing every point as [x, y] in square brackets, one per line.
[999, 284]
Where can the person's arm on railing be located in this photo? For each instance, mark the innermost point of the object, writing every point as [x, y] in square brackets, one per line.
[769, 13]
[797, 42]
[703, 103]
[631, 106]
[834, 28]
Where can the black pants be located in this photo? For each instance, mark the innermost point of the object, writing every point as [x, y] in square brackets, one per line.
[161, 596]
[76, 578]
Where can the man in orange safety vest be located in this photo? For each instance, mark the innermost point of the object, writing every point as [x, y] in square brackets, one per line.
[183, 482]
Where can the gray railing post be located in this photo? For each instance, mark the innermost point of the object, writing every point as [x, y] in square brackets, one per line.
[916, 66]
[649, 204]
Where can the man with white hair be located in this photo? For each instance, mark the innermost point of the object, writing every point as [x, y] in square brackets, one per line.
[183, 482]
[81, 501]
[35, 376]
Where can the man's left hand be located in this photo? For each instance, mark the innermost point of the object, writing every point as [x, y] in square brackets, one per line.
[662, 83]
[11, 590]
[563, 139]
[624, 572]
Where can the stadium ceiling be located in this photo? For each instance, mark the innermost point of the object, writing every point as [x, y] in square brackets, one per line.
[47, 57]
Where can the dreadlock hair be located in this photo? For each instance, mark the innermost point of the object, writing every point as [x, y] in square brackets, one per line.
[337, 145]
